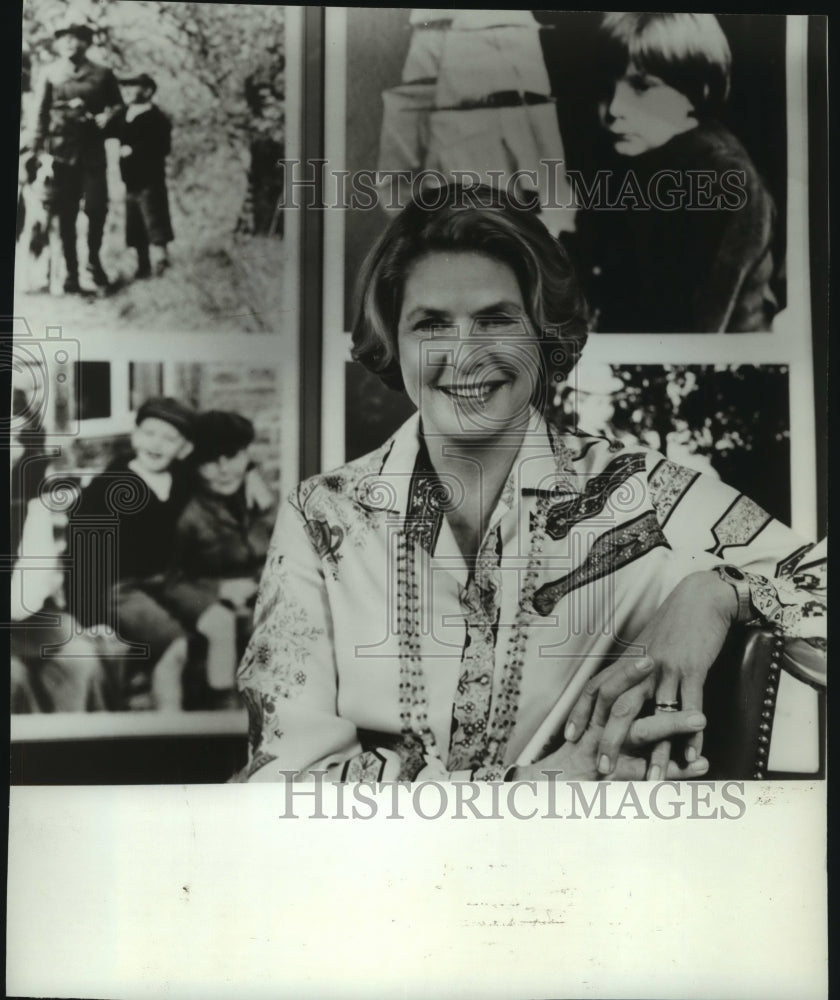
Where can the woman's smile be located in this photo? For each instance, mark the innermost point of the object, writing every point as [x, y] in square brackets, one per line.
[479, 392]
[469, 359]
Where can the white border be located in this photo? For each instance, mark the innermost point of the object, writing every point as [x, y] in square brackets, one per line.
[336, 342]
[799, 332]
[125, 725]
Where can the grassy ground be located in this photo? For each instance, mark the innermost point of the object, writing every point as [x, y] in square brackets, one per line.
[218, 281]
[230, 285]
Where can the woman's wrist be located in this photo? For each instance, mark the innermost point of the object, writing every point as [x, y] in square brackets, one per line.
[721, 593]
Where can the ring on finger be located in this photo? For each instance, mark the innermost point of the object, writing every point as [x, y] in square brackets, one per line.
[667, 706]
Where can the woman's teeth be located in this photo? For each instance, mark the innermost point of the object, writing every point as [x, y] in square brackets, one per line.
[477, 393]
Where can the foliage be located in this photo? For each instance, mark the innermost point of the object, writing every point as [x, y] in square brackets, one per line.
[737, 417]
[220, 75]
[220, 72]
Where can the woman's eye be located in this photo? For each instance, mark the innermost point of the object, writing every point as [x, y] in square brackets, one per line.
[485, 323]
[431, 327]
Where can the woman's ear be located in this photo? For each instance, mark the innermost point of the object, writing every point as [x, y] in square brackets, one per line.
[186, 449]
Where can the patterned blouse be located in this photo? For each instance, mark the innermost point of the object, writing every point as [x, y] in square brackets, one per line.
[342, 676]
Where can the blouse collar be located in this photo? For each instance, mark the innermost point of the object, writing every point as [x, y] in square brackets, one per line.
[541, 467]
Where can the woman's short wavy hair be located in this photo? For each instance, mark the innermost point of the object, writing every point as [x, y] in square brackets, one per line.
[477, 219]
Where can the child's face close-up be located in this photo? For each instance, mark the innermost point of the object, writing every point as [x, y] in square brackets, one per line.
[225, 474]
[644, 112]
[70, 46]
[157, 444]
[135, 94]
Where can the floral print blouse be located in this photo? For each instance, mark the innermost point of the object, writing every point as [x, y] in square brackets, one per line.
[324, 676]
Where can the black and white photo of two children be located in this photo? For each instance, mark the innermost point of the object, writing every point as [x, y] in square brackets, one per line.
[139, 542]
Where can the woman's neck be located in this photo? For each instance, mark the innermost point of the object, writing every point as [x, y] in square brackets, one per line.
[474, 475]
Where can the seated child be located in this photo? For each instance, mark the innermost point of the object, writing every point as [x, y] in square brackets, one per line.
[688, 243]
[147, 492]
[221, 545]
[144, 132]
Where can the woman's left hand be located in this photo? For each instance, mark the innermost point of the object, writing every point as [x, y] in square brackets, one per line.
[680, 643]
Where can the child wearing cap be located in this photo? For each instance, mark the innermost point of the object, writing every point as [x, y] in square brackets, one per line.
[144, 133]
[146, 492]
[221, 543]
[685, 242]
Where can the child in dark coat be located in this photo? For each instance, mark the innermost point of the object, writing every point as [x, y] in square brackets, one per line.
[144, 132]
[142, 496]
[221, 545]
[683, 239]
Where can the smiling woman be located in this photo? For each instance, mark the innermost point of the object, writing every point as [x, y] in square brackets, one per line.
[465, 300]
[425, 609]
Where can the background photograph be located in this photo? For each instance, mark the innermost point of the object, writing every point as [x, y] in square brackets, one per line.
[148, 184]
[143, 499]
[419, 90]
[484, 91]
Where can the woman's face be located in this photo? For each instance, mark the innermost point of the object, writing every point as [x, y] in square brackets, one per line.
[225, 474]
[645, 113]
[469, 357]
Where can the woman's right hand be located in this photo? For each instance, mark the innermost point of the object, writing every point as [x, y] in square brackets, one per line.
[578, 761]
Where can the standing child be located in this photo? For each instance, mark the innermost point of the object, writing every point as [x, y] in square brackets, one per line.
[688, 247]
[146, 492]
[145, 132]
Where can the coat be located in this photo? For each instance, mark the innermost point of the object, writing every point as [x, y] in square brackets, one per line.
[657, 256]
[119, 500]
[217, 538]
[149, 134]
[68, 96]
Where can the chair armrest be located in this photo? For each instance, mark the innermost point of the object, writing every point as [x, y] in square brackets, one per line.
[739, 702]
